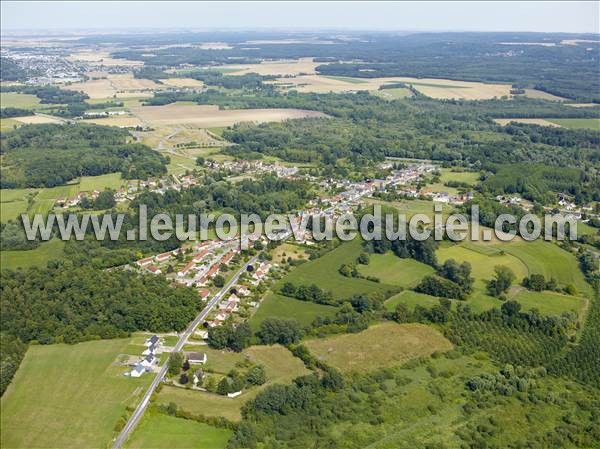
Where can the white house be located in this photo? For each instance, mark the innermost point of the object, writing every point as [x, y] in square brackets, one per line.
[150, 350]
[137, 371]
[152, 341]
[234, 395]
[148, 361]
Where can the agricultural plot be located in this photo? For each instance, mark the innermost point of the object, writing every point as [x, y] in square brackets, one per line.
[394, 94]
[324, 272]
[115, 85]
[37, 257]
[409, 208]
[101, 58]
[182, 82]
[541, 95]
[410, 299]
[393, 270]
[122, 121]
[528, 121]
[160, 431]
[278, 68]
[37, 119]
[101, 182]
[281, 367]
[550, 303]
[73, 395]
[283, 307]
[212, 117]
[577, 123]
[17, 100]
[380, 346]
[11, 210]
[8, 124]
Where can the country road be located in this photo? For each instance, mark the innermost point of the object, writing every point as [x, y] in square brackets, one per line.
[141, 408]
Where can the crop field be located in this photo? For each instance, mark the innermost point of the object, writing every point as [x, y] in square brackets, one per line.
[434, 88]
[8, 124]
[119, 85]
[17, 100]
[460, 176]
[279, 68]
[73, 395]
[541, 95]
[160, 431]
[182, 82]
[394, 94]
[122, 121]
[213, 117]
[528, 121]
[393, 270]
[577, 123]
[174, 137]
[281, 367]
[283, 307]
[41, 207]
[324, 273]
[100, 58]
[382, 345]
[37, 119]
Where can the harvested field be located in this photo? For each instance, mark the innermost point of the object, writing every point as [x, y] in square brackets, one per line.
[380, 346]
[119, 85]
[582, 105]
[541, 95]
[182, 82]
[17, 100]
[280, 68]
[530, 121]
[101, 58]
[93, 88]
[212, 117]
[37, 119]
[120, 121]
[434, 88]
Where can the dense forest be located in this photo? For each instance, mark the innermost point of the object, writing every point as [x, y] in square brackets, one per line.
[52, 155]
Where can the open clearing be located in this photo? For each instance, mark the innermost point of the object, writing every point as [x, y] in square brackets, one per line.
[278, 68]
[157, 430]
[16, 100]
[101, 58]
[379, 346]
[213, 117]
[281, 367]
[393, 270]
[73, 395]
[528, 121]
[410, 299]
[37, 257]
[324, 272]
[12, 210]
[182, 82]
[37, 119]
[122, 121]
[577, 123]
[540, 94]
[283, 307]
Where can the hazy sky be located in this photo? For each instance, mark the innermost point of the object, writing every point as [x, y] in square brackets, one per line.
[422, 16]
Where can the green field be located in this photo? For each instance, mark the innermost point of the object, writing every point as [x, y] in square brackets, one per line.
[8, 124]
[410, 299]
[160, 431]
[41, 207]
[38, 257]
[324, 272]
[550, 303]
[16, 100]
[283, 307]
[393, 270]
[412, 207]
[7, 195]
[577, 123]
[108, 181]
[11, 210]
[281, 367]
[382, 345]
[68, 396]
[460, 176]
[52, 193]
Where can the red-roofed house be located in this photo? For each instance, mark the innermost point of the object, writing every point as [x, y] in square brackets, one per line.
[144, 262]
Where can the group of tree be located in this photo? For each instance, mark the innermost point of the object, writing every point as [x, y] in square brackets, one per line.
[228, 336]
[503, 279]
[312, 293]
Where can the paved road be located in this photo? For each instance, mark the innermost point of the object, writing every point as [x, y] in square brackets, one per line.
[141, 408]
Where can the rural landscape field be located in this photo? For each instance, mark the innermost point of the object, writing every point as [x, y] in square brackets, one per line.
[177, 184]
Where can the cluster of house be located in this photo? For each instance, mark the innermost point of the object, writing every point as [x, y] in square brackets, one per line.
[75, 200]
[48, 68]
[257, 166]
[101, 114]
[445, 197]
[149, 359]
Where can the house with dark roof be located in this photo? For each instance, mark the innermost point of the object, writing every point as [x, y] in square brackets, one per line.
[197, 357]
[152, 341]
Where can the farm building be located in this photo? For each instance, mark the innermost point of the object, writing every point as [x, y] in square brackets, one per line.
[197, 357]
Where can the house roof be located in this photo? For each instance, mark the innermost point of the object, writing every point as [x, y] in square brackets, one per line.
[153, 339]
[139, 368]
[196, 356]
[149, 358]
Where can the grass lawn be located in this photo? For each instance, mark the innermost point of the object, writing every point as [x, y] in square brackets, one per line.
[7, 195]
[463, 176]
[550, 303]
[393, 270]
[51, 193]
[16, 100]
[283, 307]
[324, 272]
[108, 181]
[41, 207]
[411, 299]
[160, 431]
[577, 123]
[68, 396]
[12, 210]
[38, 257]
[381, 345]
[394, 93]
[281, 367]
